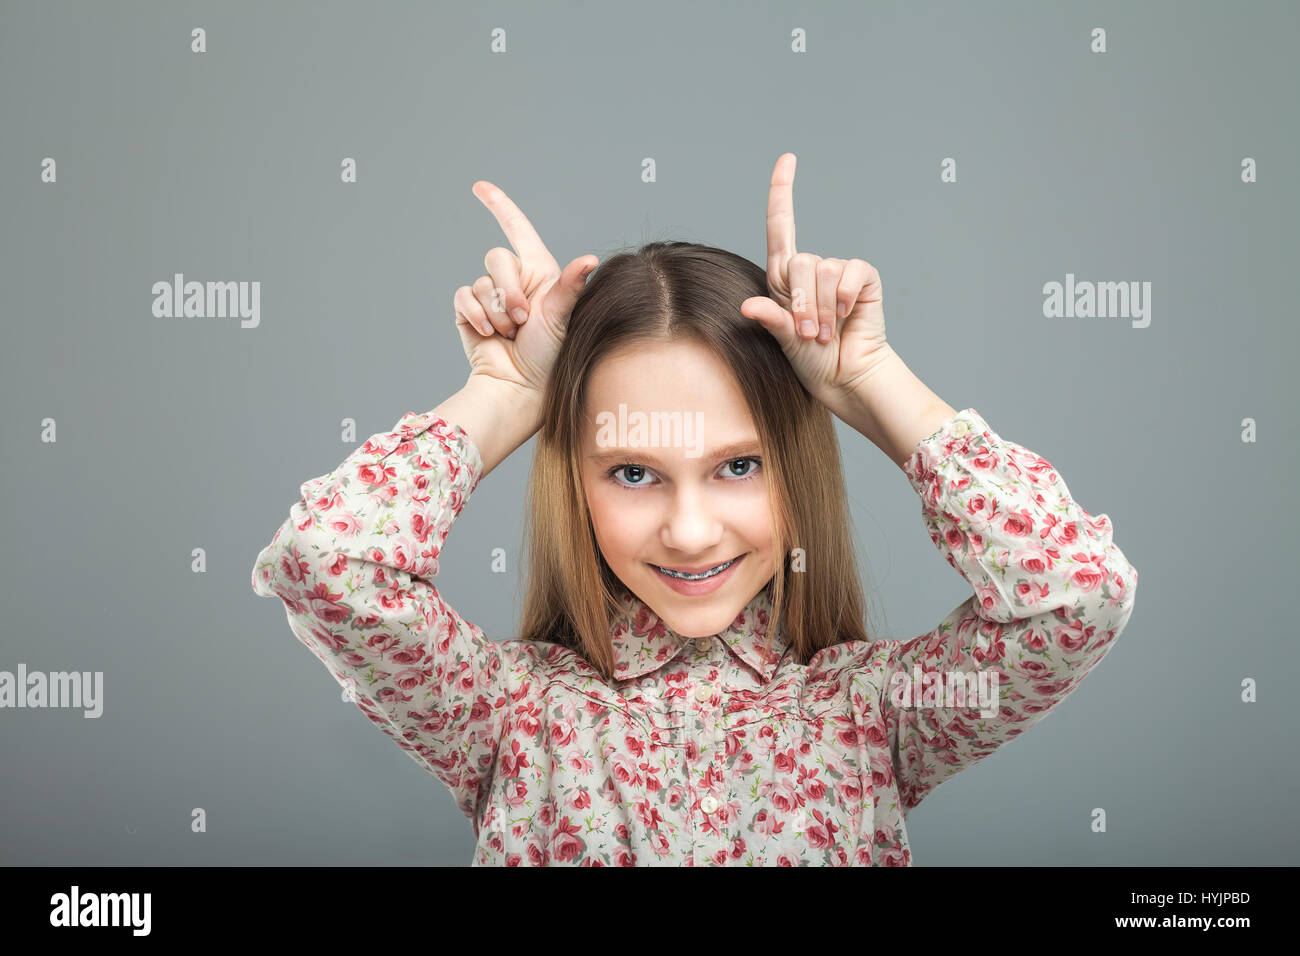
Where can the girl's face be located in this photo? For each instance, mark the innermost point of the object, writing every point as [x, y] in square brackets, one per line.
[673, 478]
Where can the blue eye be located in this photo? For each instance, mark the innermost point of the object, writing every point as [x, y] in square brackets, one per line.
[634, 473]
[749, 474]
[613, 472]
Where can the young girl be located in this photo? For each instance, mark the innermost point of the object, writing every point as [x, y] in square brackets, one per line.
[693, 684]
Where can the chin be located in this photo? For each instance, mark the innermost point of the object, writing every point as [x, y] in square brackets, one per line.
[703, 622]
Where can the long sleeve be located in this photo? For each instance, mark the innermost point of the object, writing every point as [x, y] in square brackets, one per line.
[353, 565]
[1051, 593]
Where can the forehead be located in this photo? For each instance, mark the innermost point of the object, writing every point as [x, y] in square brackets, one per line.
[667, 377]
[664, 375]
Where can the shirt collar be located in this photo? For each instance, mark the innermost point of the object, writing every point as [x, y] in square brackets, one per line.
[644, 643]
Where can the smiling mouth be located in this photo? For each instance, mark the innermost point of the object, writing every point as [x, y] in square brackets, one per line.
[701, 576]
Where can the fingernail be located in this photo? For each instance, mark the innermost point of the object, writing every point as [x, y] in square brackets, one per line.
[826, 333]
[841, 310]
[519, 315]
[807, 327]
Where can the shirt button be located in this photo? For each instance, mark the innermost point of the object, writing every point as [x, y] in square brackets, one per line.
[708, 804]
[704, 693]
[702, 644]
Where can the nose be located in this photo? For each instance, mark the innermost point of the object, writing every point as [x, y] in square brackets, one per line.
[693, 526]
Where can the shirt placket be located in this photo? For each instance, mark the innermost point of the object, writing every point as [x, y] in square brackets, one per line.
[707, 773]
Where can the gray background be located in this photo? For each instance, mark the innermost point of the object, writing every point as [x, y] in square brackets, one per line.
[183, 433]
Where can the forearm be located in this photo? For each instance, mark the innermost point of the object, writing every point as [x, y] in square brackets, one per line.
[497, 417]
[894, 409]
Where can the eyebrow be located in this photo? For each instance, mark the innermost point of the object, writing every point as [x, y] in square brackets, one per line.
[740, 449]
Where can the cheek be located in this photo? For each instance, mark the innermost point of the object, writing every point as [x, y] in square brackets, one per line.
[617, 521]
[752, 519]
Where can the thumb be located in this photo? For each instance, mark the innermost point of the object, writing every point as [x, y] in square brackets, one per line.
[772, 317]
[561, 297]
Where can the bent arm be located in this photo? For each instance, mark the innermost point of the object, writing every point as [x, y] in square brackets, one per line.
[354, 565]
[1052, 591]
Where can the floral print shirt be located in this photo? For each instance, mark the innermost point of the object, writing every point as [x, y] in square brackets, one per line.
[699, 751]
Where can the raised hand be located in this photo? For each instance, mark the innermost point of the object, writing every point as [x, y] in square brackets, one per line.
[513, 319]
[826, 314]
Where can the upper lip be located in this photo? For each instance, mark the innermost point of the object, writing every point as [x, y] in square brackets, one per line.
[698, 570]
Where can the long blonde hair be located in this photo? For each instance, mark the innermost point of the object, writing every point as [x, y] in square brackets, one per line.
[663, 292]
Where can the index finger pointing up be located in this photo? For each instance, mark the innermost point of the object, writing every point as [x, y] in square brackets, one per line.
[780, 211]
[523, 237]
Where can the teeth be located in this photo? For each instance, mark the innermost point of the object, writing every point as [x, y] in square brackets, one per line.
[697, 577]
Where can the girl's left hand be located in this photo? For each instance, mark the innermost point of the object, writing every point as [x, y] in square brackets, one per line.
[825, 313]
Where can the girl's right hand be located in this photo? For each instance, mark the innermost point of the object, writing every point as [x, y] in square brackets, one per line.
[517, 350]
